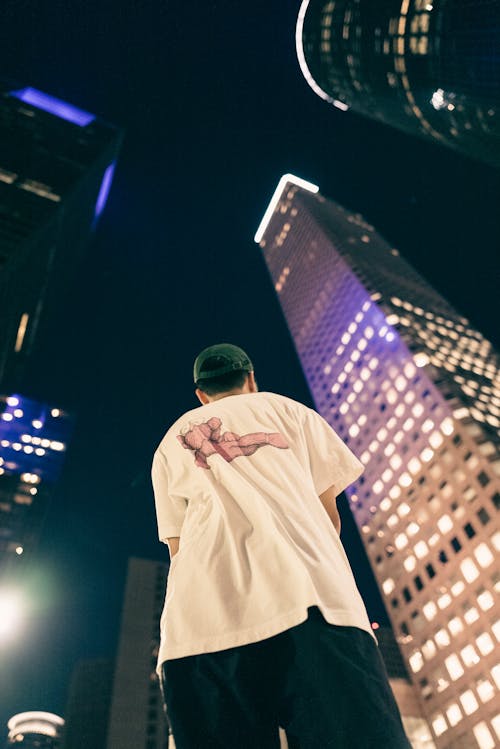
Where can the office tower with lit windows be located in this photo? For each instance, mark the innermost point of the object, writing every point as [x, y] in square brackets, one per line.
[423, 66]
[35, 730]
[33, 441]
[137, 720]
[56, 167]
[414, 390]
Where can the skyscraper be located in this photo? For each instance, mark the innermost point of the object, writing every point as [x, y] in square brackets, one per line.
[137, 719]
[425, 67]
[414, 390]
[56, 167]
[33, 440]
[87, 709]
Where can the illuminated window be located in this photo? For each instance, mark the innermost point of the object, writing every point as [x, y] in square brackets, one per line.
[444, 600]
[416, 661]
[469, 655]
[454, 667]
[455, 625]
[495, 672]
[483, 736]
[445, 524]
[485, 689]
[454, 714]
[484, 643]
[388, 586]
[429, 649]
[395, 462]
[410, 563]
[483, 555]
[469, 569]
[495, 722]
[471, 614]
[496, 629]
[442, 638]
[400, 541]
[421, 549]
[457, 586]
[439, 724]
[429, 610]
[485, 599]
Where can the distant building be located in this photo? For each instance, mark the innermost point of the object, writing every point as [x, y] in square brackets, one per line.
[33, 442]
[87, 710]
[35, 730]
[56, 167]
[137, 719]
[422, 66]
[414, 390]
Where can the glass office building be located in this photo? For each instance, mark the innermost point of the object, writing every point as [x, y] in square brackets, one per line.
[414, 390]
[423, 66]
[56, 167]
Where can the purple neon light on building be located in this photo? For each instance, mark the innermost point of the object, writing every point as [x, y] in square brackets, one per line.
[54, 106]
[415, 392]
[104, 190]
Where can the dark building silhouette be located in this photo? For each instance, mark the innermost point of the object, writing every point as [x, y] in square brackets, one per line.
[87, 710]
[56, 167]
[427, 67]
[136, 716]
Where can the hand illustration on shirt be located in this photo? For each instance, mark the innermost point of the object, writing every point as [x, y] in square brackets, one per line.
[206, 439]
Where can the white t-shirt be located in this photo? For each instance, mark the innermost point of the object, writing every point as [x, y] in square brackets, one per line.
[238, 480]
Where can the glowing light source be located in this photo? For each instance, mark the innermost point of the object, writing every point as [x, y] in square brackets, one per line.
[54, 106]
[303, 64]
[285, 179]
[11, 610]
[104, 190]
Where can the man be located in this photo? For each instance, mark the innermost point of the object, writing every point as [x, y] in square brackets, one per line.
[263, 625]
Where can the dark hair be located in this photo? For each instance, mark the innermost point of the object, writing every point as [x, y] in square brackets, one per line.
[224, 383]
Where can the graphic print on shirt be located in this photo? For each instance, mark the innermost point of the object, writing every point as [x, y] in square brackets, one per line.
[206, 439]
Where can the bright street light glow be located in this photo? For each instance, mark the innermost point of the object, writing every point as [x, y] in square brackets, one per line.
[11, 613]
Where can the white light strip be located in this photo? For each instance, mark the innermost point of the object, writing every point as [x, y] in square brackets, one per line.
[303, 64]
[284, 181]
[21, 332]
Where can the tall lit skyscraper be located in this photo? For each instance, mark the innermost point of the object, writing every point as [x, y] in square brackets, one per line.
[33, 441]
[137, 718]
[56, 167]
[424, 66]
[414, 390]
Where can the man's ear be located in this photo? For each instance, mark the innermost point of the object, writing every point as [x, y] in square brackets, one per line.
[252, 385]
[202, 397]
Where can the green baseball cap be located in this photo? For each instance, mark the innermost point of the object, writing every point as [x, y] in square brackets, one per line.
[220, 359]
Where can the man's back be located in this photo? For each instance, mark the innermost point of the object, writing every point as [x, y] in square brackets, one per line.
[239, 480]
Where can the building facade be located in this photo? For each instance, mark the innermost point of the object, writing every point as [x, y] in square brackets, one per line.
[87, 709]
[35, 730]
[56, 167]
[423, 66]
[33, 442]
[414, 391]
[137, 719]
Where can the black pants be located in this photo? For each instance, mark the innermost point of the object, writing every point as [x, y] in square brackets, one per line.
[326, 685]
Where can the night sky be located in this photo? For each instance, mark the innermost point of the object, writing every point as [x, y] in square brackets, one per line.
[215, 110]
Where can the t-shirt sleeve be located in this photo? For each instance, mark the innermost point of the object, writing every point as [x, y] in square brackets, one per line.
[170, 510]
[331, 461]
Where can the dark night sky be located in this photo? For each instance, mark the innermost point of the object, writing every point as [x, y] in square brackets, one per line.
[215, 110]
